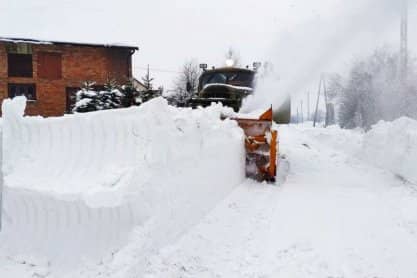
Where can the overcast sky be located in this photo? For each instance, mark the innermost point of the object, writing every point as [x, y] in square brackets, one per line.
[168, 32]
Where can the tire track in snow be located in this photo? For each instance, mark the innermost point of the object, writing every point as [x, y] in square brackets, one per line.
[335, 217]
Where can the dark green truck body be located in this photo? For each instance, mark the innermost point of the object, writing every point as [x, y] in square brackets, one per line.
[230, 86]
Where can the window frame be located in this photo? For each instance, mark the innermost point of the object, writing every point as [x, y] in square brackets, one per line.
[27, 85]
[12, 71]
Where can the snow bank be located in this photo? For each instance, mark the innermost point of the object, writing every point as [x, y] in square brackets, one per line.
[388, 145]
[344, 140]
[79, 181]
[393, 146]
[1, 173]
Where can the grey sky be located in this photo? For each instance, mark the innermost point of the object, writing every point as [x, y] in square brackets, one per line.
[167, 32]
[170, 32]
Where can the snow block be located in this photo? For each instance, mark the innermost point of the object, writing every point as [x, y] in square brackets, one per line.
[79, 184]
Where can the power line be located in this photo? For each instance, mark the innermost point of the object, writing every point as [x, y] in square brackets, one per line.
[157, 69]
[322, 85]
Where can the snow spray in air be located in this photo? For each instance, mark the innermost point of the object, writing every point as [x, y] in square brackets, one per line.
[323, 43]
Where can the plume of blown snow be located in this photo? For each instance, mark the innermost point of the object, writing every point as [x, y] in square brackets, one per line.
[323, 44]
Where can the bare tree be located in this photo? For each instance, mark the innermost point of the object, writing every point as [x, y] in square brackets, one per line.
[334, 87]
[186, 85]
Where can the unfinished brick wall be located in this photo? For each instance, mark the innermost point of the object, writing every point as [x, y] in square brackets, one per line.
[79, 63]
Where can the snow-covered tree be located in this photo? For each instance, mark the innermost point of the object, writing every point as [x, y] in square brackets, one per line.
[334, 88]
[87, 99]
[149, 93]
[110, 97]
[374, 91]
[357, 100]
[130, 95]
[147, 80]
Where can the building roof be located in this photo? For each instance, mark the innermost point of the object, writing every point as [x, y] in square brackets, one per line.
[34, 41]
[137, 83]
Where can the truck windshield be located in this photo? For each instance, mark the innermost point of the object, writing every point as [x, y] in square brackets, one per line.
[235, 78]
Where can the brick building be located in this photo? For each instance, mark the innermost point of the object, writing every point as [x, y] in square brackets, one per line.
[49, 73]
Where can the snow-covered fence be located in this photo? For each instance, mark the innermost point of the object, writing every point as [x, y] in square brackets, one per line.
[1, 176]
[97, 175]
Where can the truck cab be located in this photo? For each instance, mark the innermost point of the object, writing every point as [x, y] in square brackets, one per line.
[228, 86]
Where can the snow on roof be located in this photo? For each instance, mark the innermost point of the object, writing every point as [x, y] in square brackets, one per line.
[35, 41]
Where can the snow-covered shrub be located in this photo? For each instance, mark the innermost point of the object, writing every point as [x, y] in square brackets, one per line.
[131, 96]
[110, 99]
[87, 99]
[113, 96]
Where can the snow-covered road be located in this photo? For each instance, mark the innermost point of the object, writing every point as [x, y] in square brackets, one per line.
[335, 216]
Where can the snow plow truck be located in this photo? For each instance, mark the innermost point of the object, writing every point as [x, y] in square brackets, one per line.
[230, 86]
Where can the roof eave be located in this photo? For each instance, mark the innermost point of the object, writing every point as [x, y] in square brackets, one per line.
[33, 41]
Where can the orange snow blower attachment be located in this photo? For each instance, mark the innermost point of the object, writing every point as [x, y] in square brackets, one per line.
[261, 147]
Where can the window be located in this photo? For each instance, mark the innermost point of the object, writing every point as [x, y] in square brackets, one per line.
[27, 90]
[50, 65]
[20, 65]
[237, 78]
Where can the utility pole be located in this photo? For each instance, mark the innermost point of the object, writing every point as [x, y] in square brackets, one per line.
[308, 106]
[317, 102]
[148, 77]
[322, 84]
[302, 112]
[326, 120]
[404, 42]
[298, 116]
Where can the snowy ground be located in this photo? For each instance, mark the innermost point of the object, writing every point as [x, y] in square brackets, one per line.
[336, 216]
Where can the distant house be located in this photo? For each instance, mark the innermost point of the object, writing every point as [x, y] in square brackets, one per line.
[139, 86]
[49, 73]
